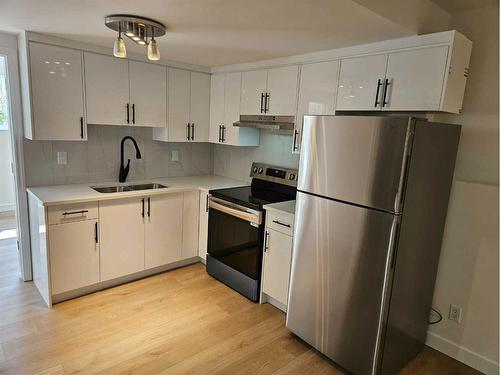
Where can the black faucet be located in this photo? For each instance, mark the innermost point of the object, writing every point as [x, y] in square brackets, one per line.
[123, 169]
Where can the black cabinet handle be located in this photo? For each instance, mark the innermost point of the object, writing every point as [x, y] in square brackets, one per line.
[81, 212]
[280, 223]
[142, 213]
[377, 102]
[149, 207]
[266, 242]
[261, 102]
[223, 134]
[220, 133]
[206, 204]
[128, 113]
[384, 102]
[96, 233]
[266, 103]
[133, 113]
[188, 131]
[295, 134]
[81, 127]
[192, 132]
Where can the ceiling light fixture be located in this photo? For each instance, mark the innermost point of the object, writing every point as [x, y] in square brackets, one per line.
[138, 29]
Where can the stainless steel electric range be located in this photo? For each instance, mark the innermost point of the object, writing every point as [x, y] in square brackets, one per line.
[236, 226]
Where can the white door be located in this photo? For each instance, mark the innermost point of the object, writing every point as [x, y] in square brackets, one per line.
[200, 106]
[253, 89]
[148, 94]
[106, 90]
[122, 237]
[57, 93]
[277, 258]
[203, 228]
[231, 134]
[416, 79]
[179, 96]
[317, 94]
[217, 83]
[190, 218]
[282, 86]
[74, 255]
[163, 231]
[360, 80]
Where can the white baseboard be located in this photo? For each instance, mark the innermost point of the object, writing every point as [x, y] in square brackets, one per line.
[462, 354]
[7, 207]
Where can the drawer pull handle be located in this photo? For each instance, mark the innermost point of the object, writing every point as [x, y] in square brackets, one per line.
[82, 212]
[280, 223]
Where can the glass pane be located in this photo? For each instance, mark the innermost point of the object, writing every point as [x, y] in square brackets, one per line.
[4, 100]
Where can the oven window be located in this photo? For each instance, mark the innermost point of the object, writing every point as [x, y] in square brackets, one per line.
[235, 242]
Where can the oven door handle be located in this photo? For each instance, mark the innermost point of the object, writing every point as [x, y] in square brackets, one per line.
[252, 217]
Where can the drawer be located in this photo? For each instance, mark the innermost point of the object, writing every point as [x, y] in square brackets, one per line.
[280, 222]
[68, 213]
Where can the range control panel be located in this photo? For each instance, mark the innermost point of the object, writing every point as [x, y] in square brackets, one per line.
[273, 173]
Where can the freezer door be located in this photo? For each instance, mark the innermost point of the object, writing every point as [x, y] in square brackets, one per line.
[341, 272]
[356, 159]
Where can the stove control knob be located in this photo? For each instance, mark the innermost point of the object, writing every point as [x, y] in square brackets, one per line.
[291, 176]
[255, 169]
[261, 170]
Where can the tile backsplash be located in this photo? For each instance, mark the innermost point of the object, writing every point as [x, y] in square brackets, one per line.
[98, 159]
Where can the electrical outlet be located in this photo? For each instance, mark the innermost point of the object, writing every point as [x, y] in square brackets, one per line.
[62, 157]
[455, 313]
[175, 155]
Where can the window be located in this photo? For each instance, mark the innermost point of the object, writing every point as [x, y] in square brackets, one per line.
[4, 104]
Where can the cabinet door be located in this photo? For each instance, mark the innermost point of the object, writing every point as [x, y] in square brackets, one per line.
[359, 83]
[190, 218]
[317, 94]
[277, 258]
[200, 106]
[122, 237]
[282, 89]
[74, 255]
[231, 134]
[253, 86]
[179, 86]
[217, 91]
[416, 79]
[107, 89]
[163, 231]
[203, 228]
[148, 94]
[57, 93]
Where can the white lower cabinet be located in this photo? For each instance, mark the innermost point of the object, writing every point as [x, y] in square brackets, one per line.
[122, 237]
[74, 255]
[203, 228]
[163, 231]
[190, 223]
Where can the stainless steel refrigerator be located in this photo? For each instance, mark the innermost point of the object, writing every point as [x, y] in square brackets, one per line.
[371, 206]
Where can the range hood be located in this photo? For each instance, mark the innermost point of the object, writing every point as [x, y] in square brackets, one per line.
[266, 122]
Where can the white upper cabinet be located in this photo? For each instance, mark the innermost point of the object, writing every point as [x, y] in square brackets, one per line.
[360, 84]
[57, 94]
[200, 106]
[270, 91]
[415, 79]
[225, 96]
[148, 94]
[188, 107]
[107, 90]
[253, 91]
[282, 91]
[317, 94]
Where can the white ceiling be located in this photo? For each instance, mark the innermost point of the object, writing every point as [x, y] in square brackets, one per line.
[211, 32]
[455, 6]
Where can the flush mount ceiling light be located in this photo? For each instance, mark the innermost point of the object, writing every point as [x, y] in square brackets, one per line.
[140, 30]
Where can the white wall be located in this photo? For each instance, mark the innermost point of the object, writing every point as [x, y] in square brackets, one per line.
[468, 270]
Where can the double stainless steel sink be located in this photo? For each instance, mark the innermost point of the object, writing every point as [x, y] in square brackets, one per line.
[122, 188]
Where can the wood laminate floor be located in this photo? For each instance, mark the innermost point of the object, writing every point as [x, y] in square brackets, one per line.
[177, 322]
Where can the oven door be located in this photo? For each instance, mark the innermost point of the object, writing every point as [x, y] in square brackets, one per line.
[235, 236]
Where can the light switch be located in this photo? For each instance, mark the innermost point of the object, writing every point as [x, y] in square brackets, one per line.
[62, 157]
[175, 155]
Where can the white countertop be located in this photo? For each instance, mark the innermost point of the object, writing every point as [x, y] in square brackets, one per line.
[76, 193]
[287, 207]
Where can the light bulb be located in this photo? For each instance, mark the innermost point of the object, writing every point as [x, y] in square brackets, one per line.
[153, 51]
[119, 49]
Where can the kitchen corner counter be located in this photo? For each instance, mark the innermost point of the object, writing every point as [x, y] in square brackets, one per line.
[287, 207]
[77, 193]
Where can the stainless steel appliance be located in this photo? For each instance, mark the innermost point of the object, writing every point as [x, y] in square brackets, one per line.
[371, 205]
[236, 226]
